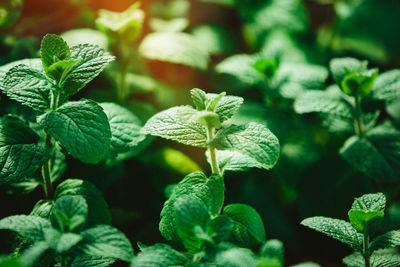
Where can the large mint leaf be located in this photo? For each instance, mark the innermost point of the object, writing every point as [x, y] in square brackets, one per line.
[324, 102]
[174, 47]
[98, 212]
[81, 127]
[337, 229]
[20, 153]
[381, 258]
[248, 227]
[106, 241]
[91, 61]
[33, 63]
[158, 255]
[377, 155]
[210, 191]
[125, 128]
[253, 140]
[387, 240]
[234, 161]
[30, 227]
[28, 86]
[387, 86]
[178, 124]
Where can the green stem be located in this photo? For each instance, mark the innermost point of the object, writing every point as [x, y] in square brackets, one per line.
[46, 170]
[211, 149]
[358, 119]
[365, 249]
[122, 89]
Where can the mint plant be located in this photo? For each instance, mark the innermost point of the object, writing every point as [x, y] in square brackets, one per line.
[352, 106]
[88, 131]
[366, 216]
[65, 236]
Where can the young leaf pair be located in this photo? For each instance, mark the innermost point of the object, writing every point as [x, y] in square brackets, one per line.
[366, 215]
[352, 106]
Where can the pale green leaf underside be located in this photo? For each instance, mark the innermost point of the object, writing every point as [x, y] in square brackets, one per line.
[234, 161]
[324, 102]
[387, 86]
[253, 140]
[106, 241]
[174, 47]
[20, 155]
[81, 127]
[125, 128]
[236, 257]
[158, 255]
[178, 124]
[337, 229]
[27, 226]
[29, 87]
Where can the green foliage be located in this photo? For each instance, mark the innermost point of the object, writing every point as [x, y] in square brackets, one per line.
[248, 229]
[174, 47]
[158, 255]
[366, 215]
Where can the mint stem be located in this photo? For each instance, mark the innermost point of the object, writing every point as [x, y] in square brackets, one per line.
[46, 171]
[365, 249]
[359, 124]
[122, 89]
[211, 150]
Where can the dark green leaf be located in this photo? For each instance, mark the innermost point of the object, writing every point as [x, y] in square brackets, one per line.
[69, 213]
[27, 226]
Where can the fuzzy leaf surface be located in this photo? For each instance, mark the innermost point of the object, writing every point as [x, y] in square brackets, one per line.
[20, 153]
[387, 86]
[81, 127]
[27, 226]
[337, 229]
[387, 240]
[253, 140]
[178, 124]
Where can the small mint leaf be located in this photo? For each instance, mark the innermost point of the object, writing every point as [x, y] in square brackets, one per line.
[199, 98]
[53, 49]
[158, 254]
[341, 67]
[69, 213]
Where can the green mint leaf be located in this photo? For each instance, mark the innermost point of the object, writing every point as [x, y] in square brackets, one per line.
[125, 128]
[59, 71]
[42, 208]
[294, 79]
[69, 213]
[158, 255]
[174, 47]
[388, 240]
[27, 226]
[98, 212]
[53, 49]
[107, 242]
[377, 155]
[199, 98]
[272, 252]
[238, 72]
[354, 260]
[123, 26]
[210, 191]
[248, 227]
[32, 63]
[324, 102]
[337, 229]
[341, 67]
[178, 124]
[171, 25]
[253, 140]
[209, 119]
[33, 253]
[78, 36]
[386, 86]
[234, 161]
[236, 257]
[227, 106]
[220, 227]
[190, 212]
[20, 153]
[81, 127]
[215, 38]
[82, 260]
[367, 212]
[29, 87]
[266, 66]
[91, 61]
[67, 241]
[378, 258]
[359, 82]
